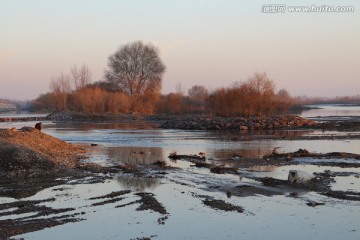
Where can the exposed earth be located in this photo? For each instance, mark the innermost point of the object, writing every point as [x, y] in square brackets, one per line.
[28, 152]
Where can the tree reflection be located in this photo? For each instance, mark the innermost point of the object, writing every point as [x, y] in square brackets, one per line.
[254, 152]
[260, 168]
[138, 183]
[136, 155]
[249, 135]
[88, 126]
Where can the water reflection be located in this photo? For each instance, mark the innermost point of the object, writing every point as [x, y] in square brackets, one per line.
[138, 183]
[331, 110]
[256, 152]
[135, 155]
[253, 134]
[259, 168]
[87, 126]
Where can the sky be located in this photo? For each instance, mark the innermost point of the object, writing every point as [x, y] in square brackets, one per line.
[208, 42]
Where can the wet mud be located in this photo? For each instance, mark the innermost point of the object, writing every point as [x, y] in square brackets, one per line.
[147, 201]
[38, 217]
[344, 195]
[218, 204]
[112, 198]
[222, 205]
[319, 158]
[269, 186]
[305, 153]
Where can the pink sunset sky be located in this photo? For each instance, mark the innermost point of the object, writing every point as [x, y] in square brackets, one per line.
[207, 42]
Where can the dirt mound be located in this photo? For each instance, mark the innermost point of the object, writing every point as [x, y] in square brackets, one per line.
[29, 152]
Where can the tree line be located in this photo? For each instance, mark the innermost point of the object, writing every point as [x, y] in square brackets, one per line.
[132, 84]
[255, 97]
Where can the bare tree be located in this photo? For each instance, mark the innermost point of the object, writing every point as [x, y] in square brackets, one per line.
[198, 91]
[135, 68]
[81, 77]
[263, 92]
[284, 101]
[197, 99]
[61, 87]
[179, 89]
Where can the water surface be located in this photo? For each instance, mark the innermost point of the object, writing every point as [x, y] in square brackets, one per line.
[180, 191]
[326, 110]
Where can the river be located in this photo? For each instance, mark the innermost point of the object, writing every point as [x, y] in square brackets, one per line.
[181, 191]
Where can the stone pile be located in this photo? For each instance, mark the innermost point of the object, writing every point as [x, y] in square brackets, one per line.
[60, 116]
[55, 116]
[22, 119]
[235, 123]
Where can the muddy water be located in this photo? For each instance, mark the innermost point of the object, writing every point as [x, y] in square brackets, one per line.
[274, 213]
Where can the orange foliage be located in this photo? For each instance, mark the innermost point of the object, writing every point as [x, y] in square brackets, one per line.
[256, 97]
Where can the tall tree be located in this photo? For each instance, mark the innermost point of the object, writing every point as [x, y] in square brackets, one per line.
[198, 91]
[81, 77]
[198, 97]
[135, 68]
[263, 92]
[61, 87]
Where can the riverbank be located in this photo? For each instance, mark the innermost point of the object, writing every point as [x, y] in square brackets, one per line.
[201, 122]
[28, 152]
[189, 122]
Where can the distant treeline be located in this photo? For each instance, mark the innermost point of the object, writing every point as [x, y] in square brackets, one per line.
[7, 101]
[255, 97]
[304, 100]
[11, 105]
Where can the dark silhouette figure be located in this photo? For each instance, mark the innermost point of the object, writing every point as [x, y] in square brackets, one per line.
[38, 126]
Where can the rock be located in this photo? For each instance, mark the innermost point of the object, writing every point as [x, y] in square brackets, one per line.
[38, 126]
[298, 176]
[301, 153]
[257, 125]
[269, 181]
[314, 204]
[242, 127]
[175, 156]
[220, 123]
[223, 170]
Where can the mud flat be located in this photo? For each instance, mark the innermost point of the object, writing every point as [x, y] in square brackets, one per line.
[320, 181]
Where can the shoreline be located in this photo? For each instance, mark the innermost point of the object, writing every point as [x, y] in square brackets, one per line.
[204, 122]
